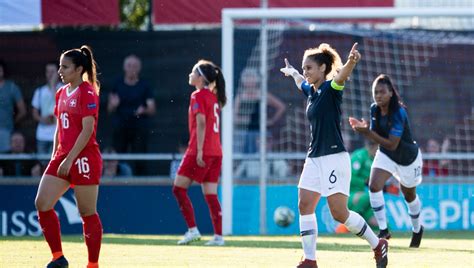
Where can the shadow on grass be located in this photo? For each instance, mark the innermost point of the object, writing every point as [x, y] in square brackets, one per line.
[155, 240]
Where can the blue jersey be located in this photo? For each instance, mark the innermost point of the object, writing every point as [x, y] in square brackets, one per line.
[323, 110]
[396, 125]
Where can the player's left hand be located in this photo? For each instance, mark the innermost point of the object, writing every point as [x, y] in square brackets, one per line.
[199, 160]
[354, 55]
[140, 110]
[64, 167]
[359, 125]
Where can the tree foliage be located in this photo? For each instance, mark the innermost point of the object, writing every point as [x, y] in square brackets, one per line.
[134, 14]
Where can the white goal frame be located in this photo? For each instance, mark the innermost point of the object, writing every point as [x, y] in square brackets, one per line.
[228, 17]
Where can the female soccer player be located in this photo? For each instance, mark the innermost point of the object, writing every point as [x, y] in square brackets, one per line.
[203, 158]
[398, 155]
[327, 169]
[76, 160]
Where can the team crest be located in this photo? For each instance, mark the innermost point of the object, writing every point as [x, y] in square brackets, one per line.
[73, 103]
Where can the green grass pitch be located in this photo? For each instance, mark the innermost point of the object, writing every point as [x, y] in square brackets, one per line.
[438, 249]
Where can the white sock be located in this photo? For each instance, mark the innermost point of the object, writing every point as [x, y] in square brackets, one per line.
[218, 237]
[357, 225]
[309, 234]
[377, 202]
[414, 208]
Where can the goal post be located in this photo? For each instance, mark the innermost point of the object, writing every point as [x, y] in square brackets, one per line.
[288, 16]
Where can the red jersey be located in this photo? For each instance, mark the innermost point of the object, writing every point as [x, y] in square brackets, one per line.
[204, 102]
[70, 109]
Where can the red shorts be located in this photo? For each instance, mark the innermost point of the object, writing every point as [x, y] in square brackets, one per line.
[85, 170]
[210, 173]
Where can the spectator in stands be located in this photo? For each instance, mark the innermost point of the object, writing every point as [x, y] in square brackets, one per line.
[174, 165]
[435, 167]
[19, 168]
[131, 104]
[247, 111]
[277, 169]
[12, 108]
[115, 168]
[43, 109]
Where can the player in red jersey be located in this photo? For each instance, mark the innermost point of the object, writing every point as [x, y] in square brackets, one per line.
[203, 158]
[76, 160]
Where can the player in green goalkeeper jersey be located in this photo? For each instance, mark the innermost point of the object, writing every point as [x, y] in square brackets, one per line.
[359, 201]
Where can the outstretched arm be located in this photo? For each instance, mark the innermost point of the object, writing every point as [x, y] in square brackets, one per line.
[346, 70]
[289, 70]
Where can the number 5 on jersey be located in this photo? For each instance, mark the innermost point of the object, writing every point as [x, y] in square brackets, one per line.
[216, 115]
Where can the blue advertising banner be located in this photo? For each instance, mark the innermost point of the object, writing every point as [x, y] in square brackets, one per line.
[123, 209]
[152, 209]
[445, 207]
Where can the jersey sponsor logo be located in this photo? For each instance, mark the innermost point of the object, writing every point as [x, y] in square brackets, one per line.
[73, 103]
[195, 106]
[333, 146]
[87, 176]
[90, 92]
[91, 105]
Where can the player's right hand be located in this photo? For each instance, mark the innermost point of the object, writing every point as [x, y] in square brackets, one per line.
[114, 100]
[359, 125]
[288, 70]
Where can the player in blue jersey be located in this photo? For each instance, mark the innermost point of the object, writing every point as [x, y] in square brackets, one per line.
[327, 169]
[398, 154]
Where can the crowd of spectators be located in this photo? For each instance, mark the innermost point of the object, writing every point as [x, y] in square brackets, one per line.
[130, 106]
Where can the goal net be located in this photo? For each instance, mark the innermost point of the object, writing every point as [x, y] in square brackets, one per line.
[427, 52]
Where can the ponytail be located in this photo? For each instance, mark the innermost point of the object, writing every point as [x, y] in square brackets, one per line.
[213, 74]
[91, 68]
[83, 57]
[220, 88]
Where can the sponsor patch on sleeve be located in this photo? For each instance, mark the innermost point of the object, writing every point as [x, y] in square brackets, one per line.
[195, 106]
[91, 106]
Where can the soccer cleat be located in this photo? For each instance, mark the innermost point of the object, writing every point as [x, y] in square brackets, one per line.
[385, 233]
[190, 236]
[307, 264]
[416, 238]
[381, 254]
[60, 262]
[215, 241]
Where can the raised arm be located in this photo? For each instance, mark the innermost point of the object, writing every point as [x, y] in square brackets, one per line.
[289, 70]
[346, 70]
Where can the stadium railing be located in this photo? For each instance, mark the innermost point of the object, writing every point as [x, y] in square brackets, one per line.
[165, 179]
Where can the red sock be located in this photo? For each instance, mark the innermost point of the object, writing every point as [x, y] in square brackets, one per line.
[185, 205]
[93, 236]
[215, 211]
[51, 230]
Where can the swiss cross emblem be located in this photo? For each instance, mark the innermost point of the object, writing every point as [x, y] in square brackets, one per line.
[72, 103]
